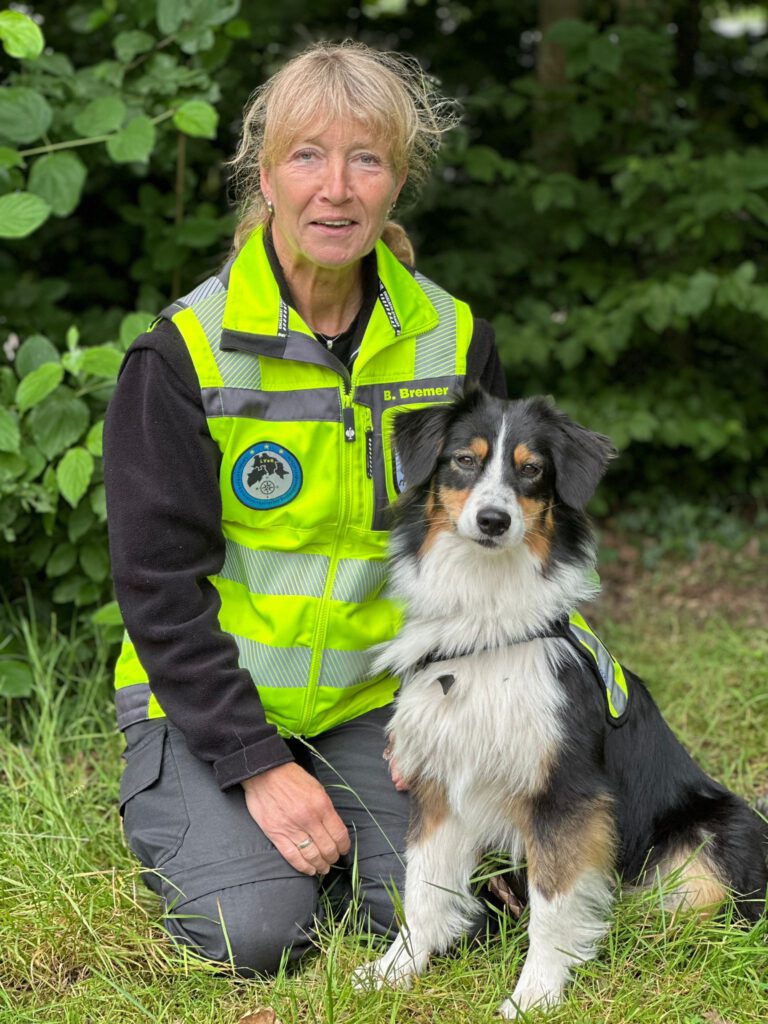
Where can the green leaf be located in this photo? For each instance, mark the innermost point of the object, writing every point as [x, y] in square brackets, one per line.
[25, 115]
[58, 178]
[101, 361]
[20, 36]
[62, 559]
[80, 522]
[570, 32]
[98, 500]
[94, 439]
[100, 117]
[134, 143]
[10, 157]
[10, 437]
[33, 352]
[67, 591]
[16, 679]
[585, 122]
[108, 615]
[132, 325]
[238, 28]
[170, 15]
[38, 384]
[94, 561]
[58, 422]
[21, 213]
[74, 473]
[605, 54]
[11, 466]
[197, 118]
[128, 45]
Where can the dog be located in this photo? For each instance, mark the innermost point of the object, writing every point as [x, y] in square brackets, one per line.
[514, 727]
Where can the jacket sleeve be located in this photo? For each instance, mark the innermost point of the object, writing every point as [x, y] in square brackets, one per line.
[483, 362]
[161, 471]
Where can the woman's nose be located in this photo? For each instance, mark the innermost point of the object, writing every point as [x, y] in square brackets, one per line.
[336, 180]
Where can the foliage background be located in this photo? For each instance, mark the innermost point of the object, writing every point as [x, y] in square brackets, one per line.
[605, 205]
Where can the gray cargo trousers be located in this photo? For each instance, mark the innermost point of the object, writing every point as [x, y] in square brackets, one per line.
[227, 892]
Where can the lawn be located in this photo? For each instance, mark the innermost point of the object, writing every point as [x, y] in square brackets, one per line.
[81, 938]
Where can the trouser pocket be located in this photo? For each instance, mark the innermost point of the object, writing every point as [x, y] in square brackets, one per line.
[152, 803]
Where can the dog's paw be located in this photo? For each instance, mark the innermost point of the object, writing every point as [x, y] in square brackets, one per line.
[524, 999]
[378, 974]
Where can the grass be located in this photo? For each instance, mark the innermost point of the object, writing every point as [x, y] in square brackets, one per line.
[80, 938]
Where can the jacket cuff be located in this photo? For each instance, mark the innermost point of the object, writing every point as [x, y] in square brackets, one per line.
[249, 761]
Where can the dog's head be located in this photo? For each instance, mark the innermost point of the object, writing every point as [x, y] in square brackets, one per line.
[497, 472]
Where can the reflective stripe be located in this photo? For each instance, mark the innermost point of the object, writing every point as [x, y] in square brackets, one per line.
[436, 350]
[320, 404]
[274, 666]
[277, 573]
[610, 670]
[207, 302]
[132, 703]
[295, 574]
[345, 668]
[358, 580]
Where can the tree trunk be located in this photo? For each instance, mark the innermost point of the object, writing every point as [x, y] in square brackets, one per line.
[552, 145]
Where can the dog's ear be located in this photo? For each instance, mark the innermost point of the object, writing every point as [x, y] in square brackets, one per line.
[581, 458]
[419, 438]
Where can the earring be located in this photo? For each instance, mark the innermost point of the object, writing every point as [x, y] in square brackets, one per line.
[270, 207]
[391, 209]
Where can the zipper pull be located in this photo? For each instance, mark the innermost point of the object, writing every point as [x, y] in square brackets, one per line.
[348, 415]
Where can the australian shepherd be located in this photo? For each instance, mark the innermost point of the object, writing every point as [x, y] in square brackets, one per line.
[515, 734]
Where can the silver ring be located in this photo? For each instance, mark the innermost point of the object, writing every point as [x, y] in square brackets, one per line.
[304, 843]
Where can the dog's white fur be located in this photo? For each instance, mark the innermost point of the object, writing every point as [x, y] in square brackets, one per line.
[461, 741]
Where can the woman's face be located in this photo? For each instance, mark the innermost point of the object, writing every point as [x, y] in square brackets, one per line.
[331, 192]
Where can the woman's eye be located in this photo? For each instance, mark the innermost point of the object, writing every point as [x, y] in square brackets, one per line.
[303, 155]
[530, 470]
[370, 159]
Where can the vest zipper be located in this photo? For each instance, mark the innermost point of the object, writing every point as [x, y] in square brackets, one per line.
[347, 455]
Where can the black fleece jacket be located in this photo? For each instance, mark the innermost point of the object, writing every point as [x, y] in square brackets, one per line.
[161, 470]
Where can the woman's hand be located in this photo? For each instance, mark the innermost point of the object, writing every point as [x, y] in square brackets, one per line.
[290, 806]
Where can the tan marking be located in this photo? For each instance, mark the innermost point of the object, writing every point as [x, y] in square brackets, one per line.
[539, 526]
[430, 809]
[523, 454]
[453, 501]
[437, 522]
[582, 842]
[698, 885]
[479, 446]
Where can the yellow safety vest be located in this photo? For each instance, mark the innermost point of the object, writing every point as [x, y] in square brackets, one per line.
[306, 477]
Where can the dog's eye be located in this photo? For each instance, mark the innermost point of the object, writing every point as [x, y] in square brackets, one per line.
[465, 461]
[530, 470]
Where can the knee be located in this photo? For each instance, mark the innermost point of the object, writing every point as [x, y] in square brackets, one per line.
[251, 927]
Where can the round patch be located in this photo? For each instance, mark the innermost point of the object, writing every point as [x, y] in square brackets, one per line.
[266, 476]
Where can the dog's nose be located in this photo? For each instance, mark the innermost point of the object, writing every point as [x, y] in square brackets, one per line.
[493, 521]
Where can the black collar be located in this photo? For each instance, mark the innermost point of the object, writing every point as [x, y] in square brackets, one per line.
[557, 630]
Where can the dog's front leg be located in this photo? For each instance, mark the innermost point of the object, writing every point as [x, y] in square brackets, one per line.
[570, 895]
[438, 905]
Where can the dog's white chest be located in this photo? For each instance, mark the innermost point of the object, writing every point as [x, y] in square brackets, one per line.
[491, 718]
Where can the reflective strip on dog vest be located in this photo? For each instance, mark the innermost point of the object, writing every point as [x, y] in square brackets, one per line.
[610, 671]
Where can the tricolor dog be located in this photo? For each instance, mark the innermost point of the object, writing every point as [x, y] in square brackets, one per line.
[515, 728]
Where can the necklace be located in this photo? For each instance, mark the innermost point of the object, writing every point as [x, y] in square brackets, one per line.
[328, 340]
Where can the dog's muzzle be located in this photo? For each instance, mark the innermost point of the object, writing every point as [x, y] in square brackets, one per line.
[493, 522]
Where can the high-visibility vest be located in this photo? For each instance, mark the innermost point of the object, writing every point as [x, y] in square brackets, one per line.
[307, 474]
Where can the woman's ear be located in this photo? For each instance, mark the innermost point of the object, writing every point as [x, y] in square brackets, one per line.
[419, 438]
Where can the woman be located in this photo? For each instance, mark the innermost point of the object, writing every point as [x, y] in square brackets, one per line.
[248, 472]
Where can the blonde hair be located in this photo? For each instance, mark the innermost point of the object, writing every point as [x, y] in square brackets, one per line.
[346, 81]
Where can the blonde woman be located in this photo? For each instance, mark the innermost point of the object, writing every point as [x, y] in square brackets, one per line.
[249, 468]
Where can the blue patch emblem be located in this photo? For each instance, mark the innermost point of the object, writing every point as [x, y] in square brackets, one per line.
[266, 476]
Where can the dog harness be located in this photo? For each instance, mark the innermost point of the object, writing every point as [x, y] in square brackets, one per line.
[592, 652]
[306, 479]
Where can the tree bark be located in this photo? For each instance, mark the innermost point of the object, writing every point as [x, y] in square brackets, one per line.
[552, 145]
